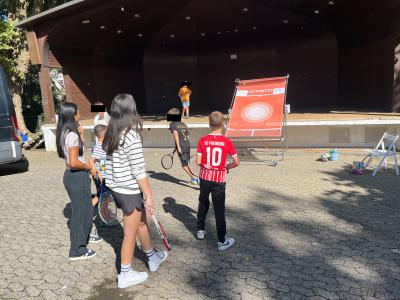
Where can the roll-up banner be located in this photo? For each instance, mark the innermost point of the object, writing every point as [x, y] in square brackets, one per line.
[258, 108]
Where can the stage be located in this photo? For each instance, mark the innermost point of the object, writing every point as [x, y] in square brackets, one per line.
[292, 118]
[333, 129]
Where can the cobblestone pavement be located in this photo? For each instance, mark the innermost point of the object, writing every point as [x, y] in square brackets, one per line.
[304, 229]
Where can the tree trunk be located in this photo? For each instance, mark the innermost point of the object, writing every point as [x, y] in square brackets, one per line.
[18, 112]
[18, 88]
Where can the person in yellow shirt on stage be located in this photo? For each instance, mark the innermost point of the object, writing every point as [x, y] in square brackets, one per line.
[184, 94]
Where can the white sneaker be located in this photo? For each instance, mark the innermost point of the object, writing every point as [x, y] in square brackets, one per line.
[94, 238]
[201, 234]
[161, 257]
[132, 278]
[225, 245]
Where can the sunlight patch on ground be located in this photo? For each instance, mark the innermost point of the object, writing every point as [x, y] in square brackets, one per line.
[356, 270]
[289, 242]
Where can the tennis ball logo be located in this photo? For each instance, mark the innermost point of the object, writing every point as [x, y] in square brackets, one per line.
[257, 112]
[102, 165]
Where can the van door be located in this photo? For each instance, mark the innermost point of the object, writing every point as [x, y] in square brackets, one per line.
[6, 126]
[10, 147]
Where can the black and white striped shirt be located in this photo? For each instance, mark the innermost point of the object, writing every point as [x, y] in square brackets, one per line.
[99, 156]
[126, 165]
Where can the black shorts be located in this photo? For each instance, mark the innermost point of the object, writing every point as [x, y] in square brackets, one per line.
[128, 202]
[184, 157]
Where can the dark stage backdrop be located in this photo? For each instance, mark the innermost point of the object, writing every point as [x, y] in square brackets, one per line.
[332, 64]
[312, 67]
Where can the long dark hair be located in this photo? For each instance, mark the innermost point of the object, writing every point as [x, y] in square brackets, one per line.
[66, 123]
[124, 117]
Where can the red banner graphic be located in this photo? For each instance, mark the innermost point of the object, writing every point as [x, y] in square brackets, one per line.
[258, 108]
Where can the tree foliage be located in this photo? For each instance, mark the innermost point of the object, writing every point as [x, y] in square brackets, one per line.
[12, 40]
[19, 9]
[23, 78]
[11, 45]
[31, 98]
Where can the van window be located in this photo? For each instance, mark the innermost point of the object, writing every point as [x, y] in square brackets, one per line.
[5, 98]
[3, 108]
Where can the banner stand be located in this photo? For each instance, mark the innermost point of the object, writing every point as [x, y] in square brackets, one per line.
[271, 129]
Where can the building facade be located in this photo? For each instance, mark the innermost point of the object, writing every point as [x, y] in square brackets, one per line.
[339, 54]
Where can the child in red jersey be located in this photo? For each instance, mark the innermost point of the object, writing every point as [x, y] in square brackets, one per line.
[211, 156]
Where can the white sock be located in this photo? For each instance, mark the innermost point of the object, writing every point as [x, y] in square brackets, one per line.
[125, 269]
[94, 231]
[152, 254]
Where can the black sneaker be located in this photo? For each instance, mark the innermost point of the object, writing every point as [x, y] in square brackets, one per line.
[89, 254]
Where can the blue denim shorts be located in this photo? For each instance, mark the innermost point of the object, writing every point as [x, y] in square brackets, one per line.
[185, 104]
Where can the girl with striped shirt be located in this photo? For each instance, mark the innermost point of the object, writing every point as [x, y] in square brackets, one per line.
[126, 178]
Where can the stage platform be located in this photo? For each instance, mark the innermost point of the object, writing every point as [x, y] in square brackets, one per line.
[333, 116]
[334, 129]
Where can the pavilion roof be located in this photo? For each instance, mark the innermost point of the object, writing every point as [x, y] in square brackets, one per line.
[51, 13]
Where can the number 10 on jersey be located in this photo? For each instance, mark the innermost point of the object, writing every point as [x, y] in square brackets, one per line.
[214, 156]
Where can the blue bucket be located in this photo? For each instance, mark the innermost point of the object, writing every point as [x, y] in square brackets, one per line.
[334, 155]
[24, 137]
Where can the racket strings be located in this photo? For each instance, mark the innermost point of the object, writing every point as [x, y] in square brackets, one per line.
[194, 168]
[167, 161]
[108, 210]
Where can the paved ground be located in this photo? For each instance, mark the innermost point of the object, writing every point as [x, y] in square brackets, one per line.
[303, 229]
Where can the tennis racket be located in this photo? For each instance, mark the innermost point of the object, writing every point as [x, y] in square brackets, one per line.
[108, 211]
[161, 232]
[193, 166]
[168, 160]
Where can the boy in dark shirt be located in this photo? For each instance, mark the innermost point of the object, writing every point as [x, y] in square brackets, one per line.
[180, 132]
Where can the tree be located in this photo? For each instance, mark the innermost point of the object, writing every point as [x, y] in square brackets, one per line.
[32, 99]
[20, 9]
[13, 49]
[15, 60]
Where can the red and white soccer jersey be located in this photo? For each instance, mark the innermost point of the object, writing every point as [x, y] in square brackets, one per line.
[214, 148]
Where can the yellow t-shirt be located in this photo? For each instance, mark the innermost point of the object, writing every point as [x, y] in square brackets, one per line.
[185, 93]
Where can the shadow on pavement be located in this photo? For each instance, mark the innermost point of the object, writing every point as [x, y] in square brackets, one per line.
[182, 213]
[112, 235]
[349, 249]
[166, 177]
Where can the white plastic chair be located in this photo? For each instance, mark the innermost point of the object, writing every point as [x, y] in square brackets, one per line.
[385, 148]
